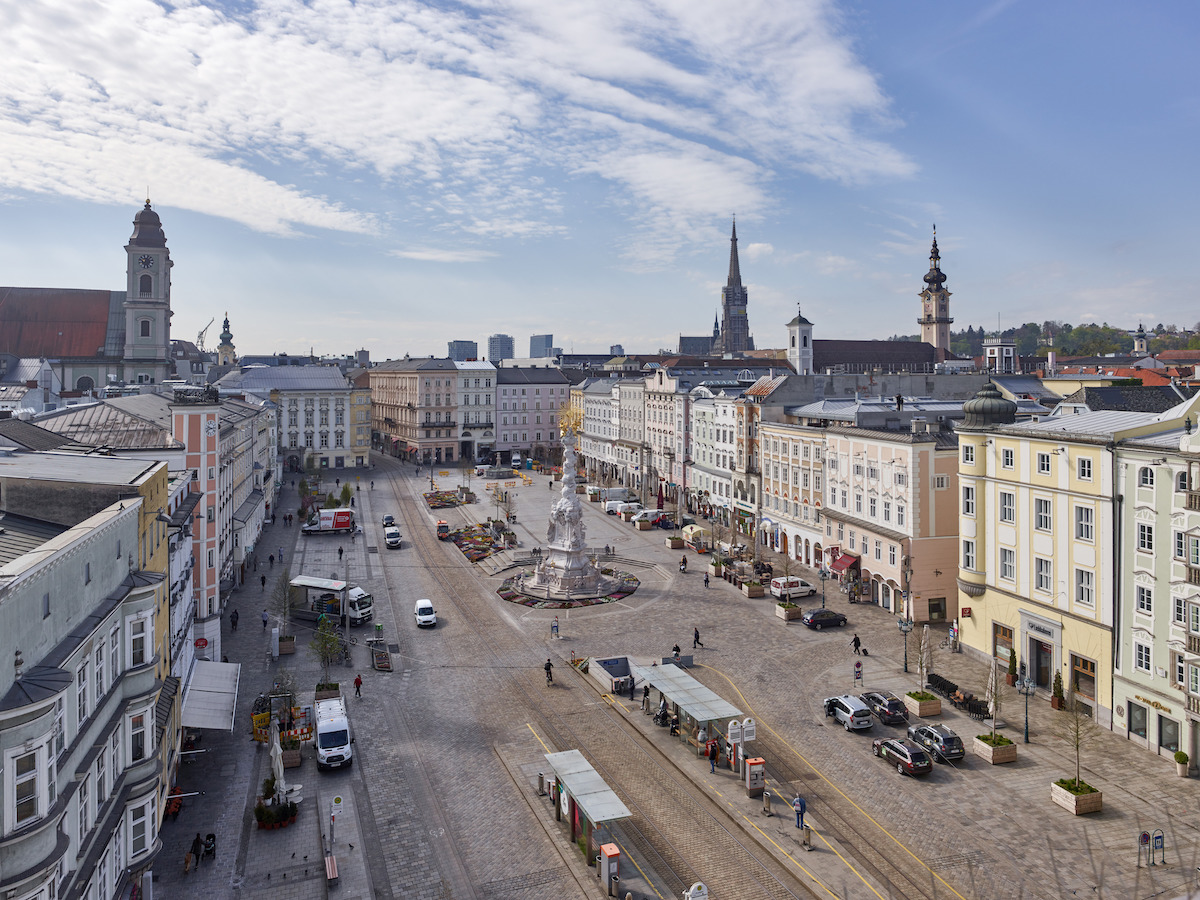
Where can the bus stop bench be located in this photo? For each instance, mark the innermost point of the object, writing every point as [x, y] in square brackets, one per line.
[684, 661]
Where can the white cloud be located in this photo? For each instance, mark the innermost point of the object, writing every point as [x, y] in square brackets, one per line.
[289, 116]
[435, 254]
[756, 251]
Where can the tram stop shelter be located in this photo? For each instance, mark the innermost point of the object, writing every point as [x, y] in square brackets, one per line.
[581, 795]
[698, 708]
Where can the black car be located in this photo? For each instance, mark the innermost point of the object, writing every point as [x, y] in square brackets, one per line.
[822, 618]
[389, 520]
[910, 759]
[940, 741]
[887, 707]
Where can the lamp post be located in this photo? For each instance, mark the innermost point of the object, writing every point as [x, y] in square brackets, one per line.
[905, 625]
[823, 579]
[1026, 686]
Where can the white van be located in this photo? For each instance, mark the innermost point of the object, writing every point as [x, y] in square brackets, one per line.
[787, 588]
[391, 537]
[425, 615]
[334, 736]
[649, 515]
[623, 508]
[516, 460]
[612, 507]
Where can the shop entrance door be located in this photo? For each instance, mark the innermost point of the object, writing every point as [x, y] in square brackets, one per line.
[1042, 657]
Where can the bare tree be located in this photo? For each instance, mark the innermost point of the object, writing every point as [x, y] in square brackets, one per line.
[1077, 727]
[326, 646]
[996, 688]
[283, 596]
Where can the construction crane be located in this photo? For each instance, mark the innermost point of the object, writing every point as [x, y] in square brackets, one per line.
[203, 332]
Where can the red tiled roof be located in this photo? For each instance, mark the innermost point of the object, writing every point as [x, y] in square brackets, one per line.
[53, 322]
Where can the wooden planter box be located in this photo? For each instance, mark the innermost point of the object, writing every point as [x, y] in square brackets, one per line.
[287, 645]
[788, 614]
[328, 695]
[752, 590]
[644, 525]
[626, 516]
[1076, 804]
[291, 759]
[714, 570]
[923, 708]
[675, 543]
[994, 755]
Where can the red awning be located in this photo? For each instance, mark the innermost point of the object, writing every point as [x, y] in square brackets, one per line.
[843, 562]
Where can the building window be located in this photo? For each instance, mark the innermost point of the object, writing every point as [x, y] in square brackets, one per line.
[940, 482]
[968, 454]
[1042, 515]
[1085, 529]
[144, 324]
[1145, 477]
[114, 653]
[891, 551]
[1141, 656]
[879, 549]
[1083, 677]
[1002, 642]
[1008, 507]
[25, 788]
[81, 693]
[887, 511]
[1085, 593]
[872, 507]
[1181, 482]
[968, 500]
[899, 515]
[858, 503]
[85, 819]
[1043, 577]
[1006, 458]
[137, 738]
[1008, 564]
[1145, 600]
[137, 642]
[1145, 537]
[1043, 463]
[1137, 719]
[1084, 467]
[968, 554]
[139, 829]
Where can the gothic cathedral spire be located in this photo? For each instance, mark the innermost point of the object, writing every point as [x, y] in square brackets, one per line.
[735, 326]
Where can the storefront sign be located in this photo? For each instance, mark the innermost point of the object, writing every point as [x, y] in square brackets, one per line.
[201, 643]
[1161, 707]
[966, 612]
[1041, 629]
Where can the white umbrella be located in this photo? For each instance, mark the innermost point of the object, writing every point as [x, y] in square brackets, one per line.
[993, 686]
[925, 654]
[281, 787]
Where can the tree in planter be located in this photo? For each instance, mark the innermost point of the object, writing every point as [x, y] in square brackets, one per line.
[331, 502]
[326, 646]
[1078, 729]
[925, 657]
[1057, 691]
[996, 688]
[1012, 666]
[347, 493]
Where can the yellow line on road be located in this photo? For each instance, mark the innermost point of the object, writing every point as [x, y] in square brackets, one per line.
[823, 777]
[536, 735]
[800, 865]
[629, 856]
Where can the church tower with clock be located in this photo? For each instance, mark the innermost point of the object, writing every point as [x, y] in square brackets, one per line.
[146, 357]
[935, 305]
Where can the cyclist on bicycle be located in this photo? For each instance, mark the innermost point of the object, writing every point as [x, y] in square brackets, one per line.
[549, 667]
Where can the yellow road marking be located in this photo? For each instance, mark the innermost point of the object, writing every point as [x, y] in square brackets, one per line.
[536, 735]
[629, 856]
[797, 862]
[822, 776]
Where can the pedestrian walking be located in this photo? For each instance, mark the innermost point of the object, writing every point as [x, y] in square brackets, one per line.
[675, 652]
[857, 645]
[263, 582]
[358, 686]
[632, 687]
[706, 579]
[256, 564]
[645, 697]
[265, 618]
[233, 617]
[696, 642]
[340, 551]
[271, 560]
[272, 518]
[281, 556]
[799, 806]
[193, 854]
[712, 757]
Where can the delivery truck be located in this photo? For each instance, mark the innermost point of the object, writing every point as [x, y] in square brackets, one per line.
[329, 521]
[325, 596]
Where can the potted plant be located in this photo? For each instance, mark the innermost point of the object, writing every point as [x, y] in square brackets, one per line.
[714, 566]
[291, 754]
[268, 788]
[787, 610]
[287, 644]
[260, 814]
[752, 588]
[1181, 763]
[923, 704]
[675, 542]
[1078, 728]
[994, 748]
[1011, 677]
[1056, 695]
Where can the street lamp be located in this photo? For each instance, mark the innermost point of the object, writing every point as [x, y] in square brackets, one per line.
[823, 578]
[1026, 686]
[905, 625]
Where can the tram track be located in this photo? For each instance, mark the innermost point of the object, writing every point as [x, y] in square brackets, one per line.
[684, 833]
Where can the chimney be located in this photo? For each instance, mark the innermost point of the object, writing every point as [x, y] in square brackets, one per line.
[899, 403]
[919, 425]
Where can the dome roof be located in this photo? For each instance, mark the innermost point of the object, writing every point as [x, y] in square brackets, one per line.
[988, 408]
[147, 229]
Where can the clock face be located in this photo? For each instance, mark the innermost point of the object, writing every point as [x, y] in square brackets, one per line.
[210, 427]
[146, 262]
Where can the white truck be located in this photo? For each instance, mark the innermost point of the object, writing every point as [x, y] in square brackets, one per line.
[618, 493]
[330, 521]
[335, 738]
[325, 596]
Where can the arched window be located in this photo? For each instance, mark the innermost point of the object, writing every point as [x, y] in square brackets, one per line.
[145, 285]
[1181, 481]
[1145, 477]
[84, 383]
[144, 328]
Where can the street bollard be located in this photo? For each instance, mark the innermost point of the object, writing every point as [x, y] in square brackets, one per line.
[766, 803]
[806, 838]
[541, 783]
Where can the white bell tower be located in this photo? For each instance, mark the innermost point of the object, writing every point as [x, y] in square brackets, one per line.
[800, 345]
[147, 357]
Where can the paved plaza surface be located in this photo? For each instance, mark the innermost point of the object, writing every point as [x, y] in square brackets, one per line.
[444, 788]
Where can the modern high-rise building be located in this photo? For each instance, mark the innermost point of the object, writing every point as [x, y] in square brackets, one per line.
[540, 345]
[461, 351]
[617, 350]
[500, 347]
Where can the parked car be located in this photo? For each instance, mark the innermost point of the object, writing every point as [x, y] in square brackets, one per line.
[850, 711]
[822, 618]
[786, 588]
[391, 537]
[389, 520]
[940, 741]
[425, 614]
[909, 758]
[887, 707]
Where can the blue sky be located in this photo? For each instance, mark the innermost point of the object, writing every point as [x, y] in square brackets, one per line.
[393, 174]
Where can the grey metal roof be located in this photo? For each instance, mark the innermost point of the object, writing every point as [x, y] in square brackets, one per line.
[77, 467]
[681, 688]
[28, 436]
[264, 379]
[598, 801]
[21, 534]
[246, 510]
[111, 424]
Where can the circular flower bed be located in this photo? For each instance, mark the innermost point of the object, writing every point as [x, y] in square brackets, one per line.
[628, 584]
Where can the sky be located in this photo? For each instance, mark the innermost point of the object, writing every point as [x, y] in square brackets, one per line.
[390, 175]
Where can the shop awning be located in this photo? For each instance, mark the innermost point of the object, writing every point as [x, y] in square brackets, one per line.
[843, 562]
[598, 801]
[212, 695]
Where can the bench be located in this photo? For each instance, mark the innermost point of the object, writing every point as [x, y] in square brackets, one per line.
[331, 872]
[685, 662]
